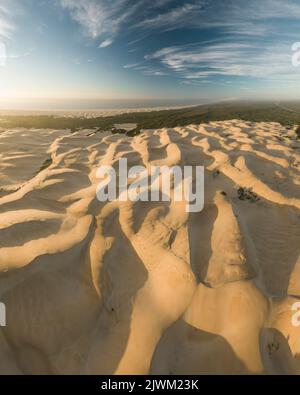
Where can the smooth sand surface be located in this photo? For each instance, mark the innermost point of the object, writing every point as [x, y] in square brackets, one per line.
[144, 287]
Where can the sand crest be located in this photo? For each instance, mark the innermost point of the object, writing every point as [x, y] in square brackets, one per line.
[145, 287]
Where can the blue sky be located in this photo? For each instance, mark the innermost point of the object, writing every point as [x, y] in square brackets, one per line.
[148, 49]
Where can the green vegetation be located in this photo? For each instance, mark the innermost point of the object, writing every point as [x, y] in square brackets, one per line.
[48, 162]
[287, 114]
[247, 194]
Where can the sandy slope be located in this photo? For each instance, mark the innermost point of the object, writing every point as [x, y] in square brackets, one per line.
[94, 287]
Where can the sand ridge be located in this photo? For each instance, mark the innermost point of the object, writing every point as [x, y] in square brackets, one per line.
[144, 287]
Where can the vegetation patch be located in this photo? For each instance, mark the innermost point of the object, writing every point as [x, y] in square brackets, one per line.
[48, 162]
[246, 111]
[247, 194]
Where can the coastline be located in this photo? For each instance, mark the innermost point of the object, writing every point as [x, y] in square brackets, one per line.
[87, 113]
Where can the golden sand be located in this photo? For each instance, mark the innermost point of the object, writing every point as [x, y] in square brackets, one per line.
[144, 287]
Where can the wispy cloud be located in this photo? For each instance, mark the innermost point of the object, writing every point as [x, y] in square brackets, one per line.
[196, 62]
[146, 70]
[99, 18]
[131, 66]
[102, 19]
[173, 18]
[106, 19]
[268, 9]
[234, 16]
[250, 40]
[6, 25]
[106, 43]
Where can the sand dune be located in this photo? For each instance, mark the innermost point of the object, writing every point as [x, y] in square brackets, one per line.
[144, 287]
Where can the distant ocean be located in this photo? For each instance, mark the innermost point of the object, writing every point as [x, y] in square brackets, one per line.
[43, 104]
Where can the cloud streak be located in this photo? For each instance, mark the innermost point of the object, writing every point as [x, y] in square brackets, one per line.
[174, 18]
[105, 19]
[6, 25]
[106, 43]
[230, 59]
[234, 16]
[99, 18]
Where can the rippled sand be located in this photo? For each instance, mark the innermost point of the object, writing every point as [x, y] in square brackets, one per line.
[93, 287]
